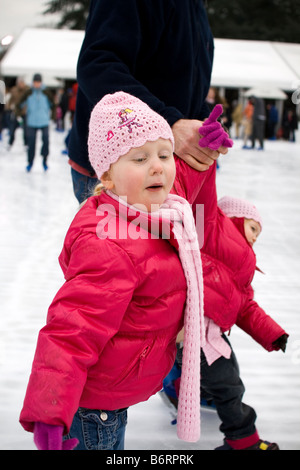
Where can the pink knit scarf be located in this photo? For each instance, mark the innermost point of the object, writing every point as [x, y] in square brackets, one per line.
[177, 212]
[184, 230]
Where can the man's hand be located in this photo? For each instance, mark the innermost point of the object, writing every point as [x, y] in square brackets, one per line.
[186, 136]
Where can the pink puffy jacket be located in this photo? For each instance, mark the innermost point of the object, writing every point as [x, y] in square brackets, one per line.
[110, 335]
[228, 262]
[111, 329]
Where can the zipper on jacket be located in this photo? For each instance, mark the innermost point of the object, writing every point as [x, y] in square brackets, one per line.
[143, 356]
[137, 364]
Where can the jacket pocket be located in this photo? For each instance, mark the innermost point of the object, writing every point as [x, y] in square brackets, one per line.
[135, 366]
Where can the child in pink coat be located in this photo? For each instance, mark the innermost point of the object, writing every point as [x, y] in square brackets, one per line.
[231, 227]
[133, 277]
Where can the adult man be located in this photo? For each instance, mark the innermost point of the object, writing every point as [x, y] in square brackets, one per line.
[16, 94]
[160, 51]
[38, 102]
[259, 122]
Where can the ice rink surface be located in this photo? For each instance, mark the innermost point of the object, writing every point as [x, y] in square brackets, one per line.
[35, 212]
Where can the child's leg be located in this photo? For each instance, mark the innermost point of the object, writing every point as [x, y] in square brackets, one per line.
[222, 381]
[99, 429]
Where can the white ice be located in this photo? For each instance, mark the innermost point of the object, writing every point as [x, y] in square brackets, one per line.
[36, 210]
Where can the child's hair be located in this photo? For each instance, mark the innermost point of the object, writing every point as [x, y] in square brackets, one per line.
[98, 189]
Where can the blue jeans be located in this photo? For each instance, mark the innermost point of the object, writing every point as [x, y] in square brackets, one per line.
[99, 429]
[82, 185]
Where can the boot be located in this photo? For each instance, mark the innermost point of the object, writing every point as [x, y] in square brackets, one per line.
[259, 445]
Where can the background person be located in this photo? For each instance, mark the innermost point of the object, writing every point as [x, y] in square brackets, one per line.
[17, 118]
[38, 102]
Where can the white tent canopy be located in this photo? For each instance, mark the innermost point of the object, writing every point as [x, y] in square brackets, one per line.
[268, 93]
[51, 52]
[245, 64]
[290, 53]
[237, 64]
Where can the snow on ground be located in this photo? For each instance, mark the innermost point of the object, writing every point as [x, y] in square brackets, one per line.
[35, 212]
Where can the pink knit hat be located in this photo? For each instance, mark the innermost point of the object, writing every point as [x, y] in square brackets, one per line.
[234, 207]
[118, 123]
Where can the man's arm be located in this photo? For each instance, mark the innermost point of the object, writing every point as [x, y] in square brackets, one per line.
[115, 44]
[117, 54]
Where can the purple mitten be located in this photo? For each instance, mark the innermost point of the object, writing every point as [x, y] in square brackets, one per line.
[48, 437]
[212, 132]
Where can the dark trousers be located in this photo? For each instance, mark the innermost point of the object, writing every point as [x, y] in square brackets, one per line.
[221, 380]
[13, 126]
[258, 132]
[31, 141]
[82, 185]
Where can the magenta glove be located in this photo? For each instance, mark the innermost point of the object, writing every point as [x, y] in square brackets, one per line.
[212, 132]
[48, 437]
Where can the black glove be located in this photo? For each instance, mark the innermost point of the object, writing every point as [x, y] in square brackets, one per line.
[179, 354]
[281, 342]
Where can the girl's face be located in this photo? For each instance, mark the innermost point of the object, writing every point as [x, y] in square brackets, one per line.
[144, 176]
[252, 230]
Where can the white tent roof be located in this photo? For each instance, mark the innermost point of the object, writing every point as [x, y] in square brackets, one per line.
[290, 53]
[243, 64]
[238, 63]
[51, 52]
[266, 92]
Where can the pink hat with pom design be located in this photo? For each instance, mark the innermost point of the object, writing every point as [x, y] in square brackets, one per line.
[234, 207]
[118, 123]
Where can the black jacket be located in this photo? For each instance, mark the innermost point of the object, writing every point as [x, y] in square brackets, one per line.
[160, 51]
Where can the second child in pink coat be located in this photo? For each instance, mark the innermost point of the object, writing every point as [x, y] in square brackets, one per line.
[231, 227]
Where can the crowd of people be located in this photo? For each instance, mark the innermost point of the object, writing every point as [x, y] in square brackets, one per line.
[251, 121]
[256, 120]
[31, 109]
